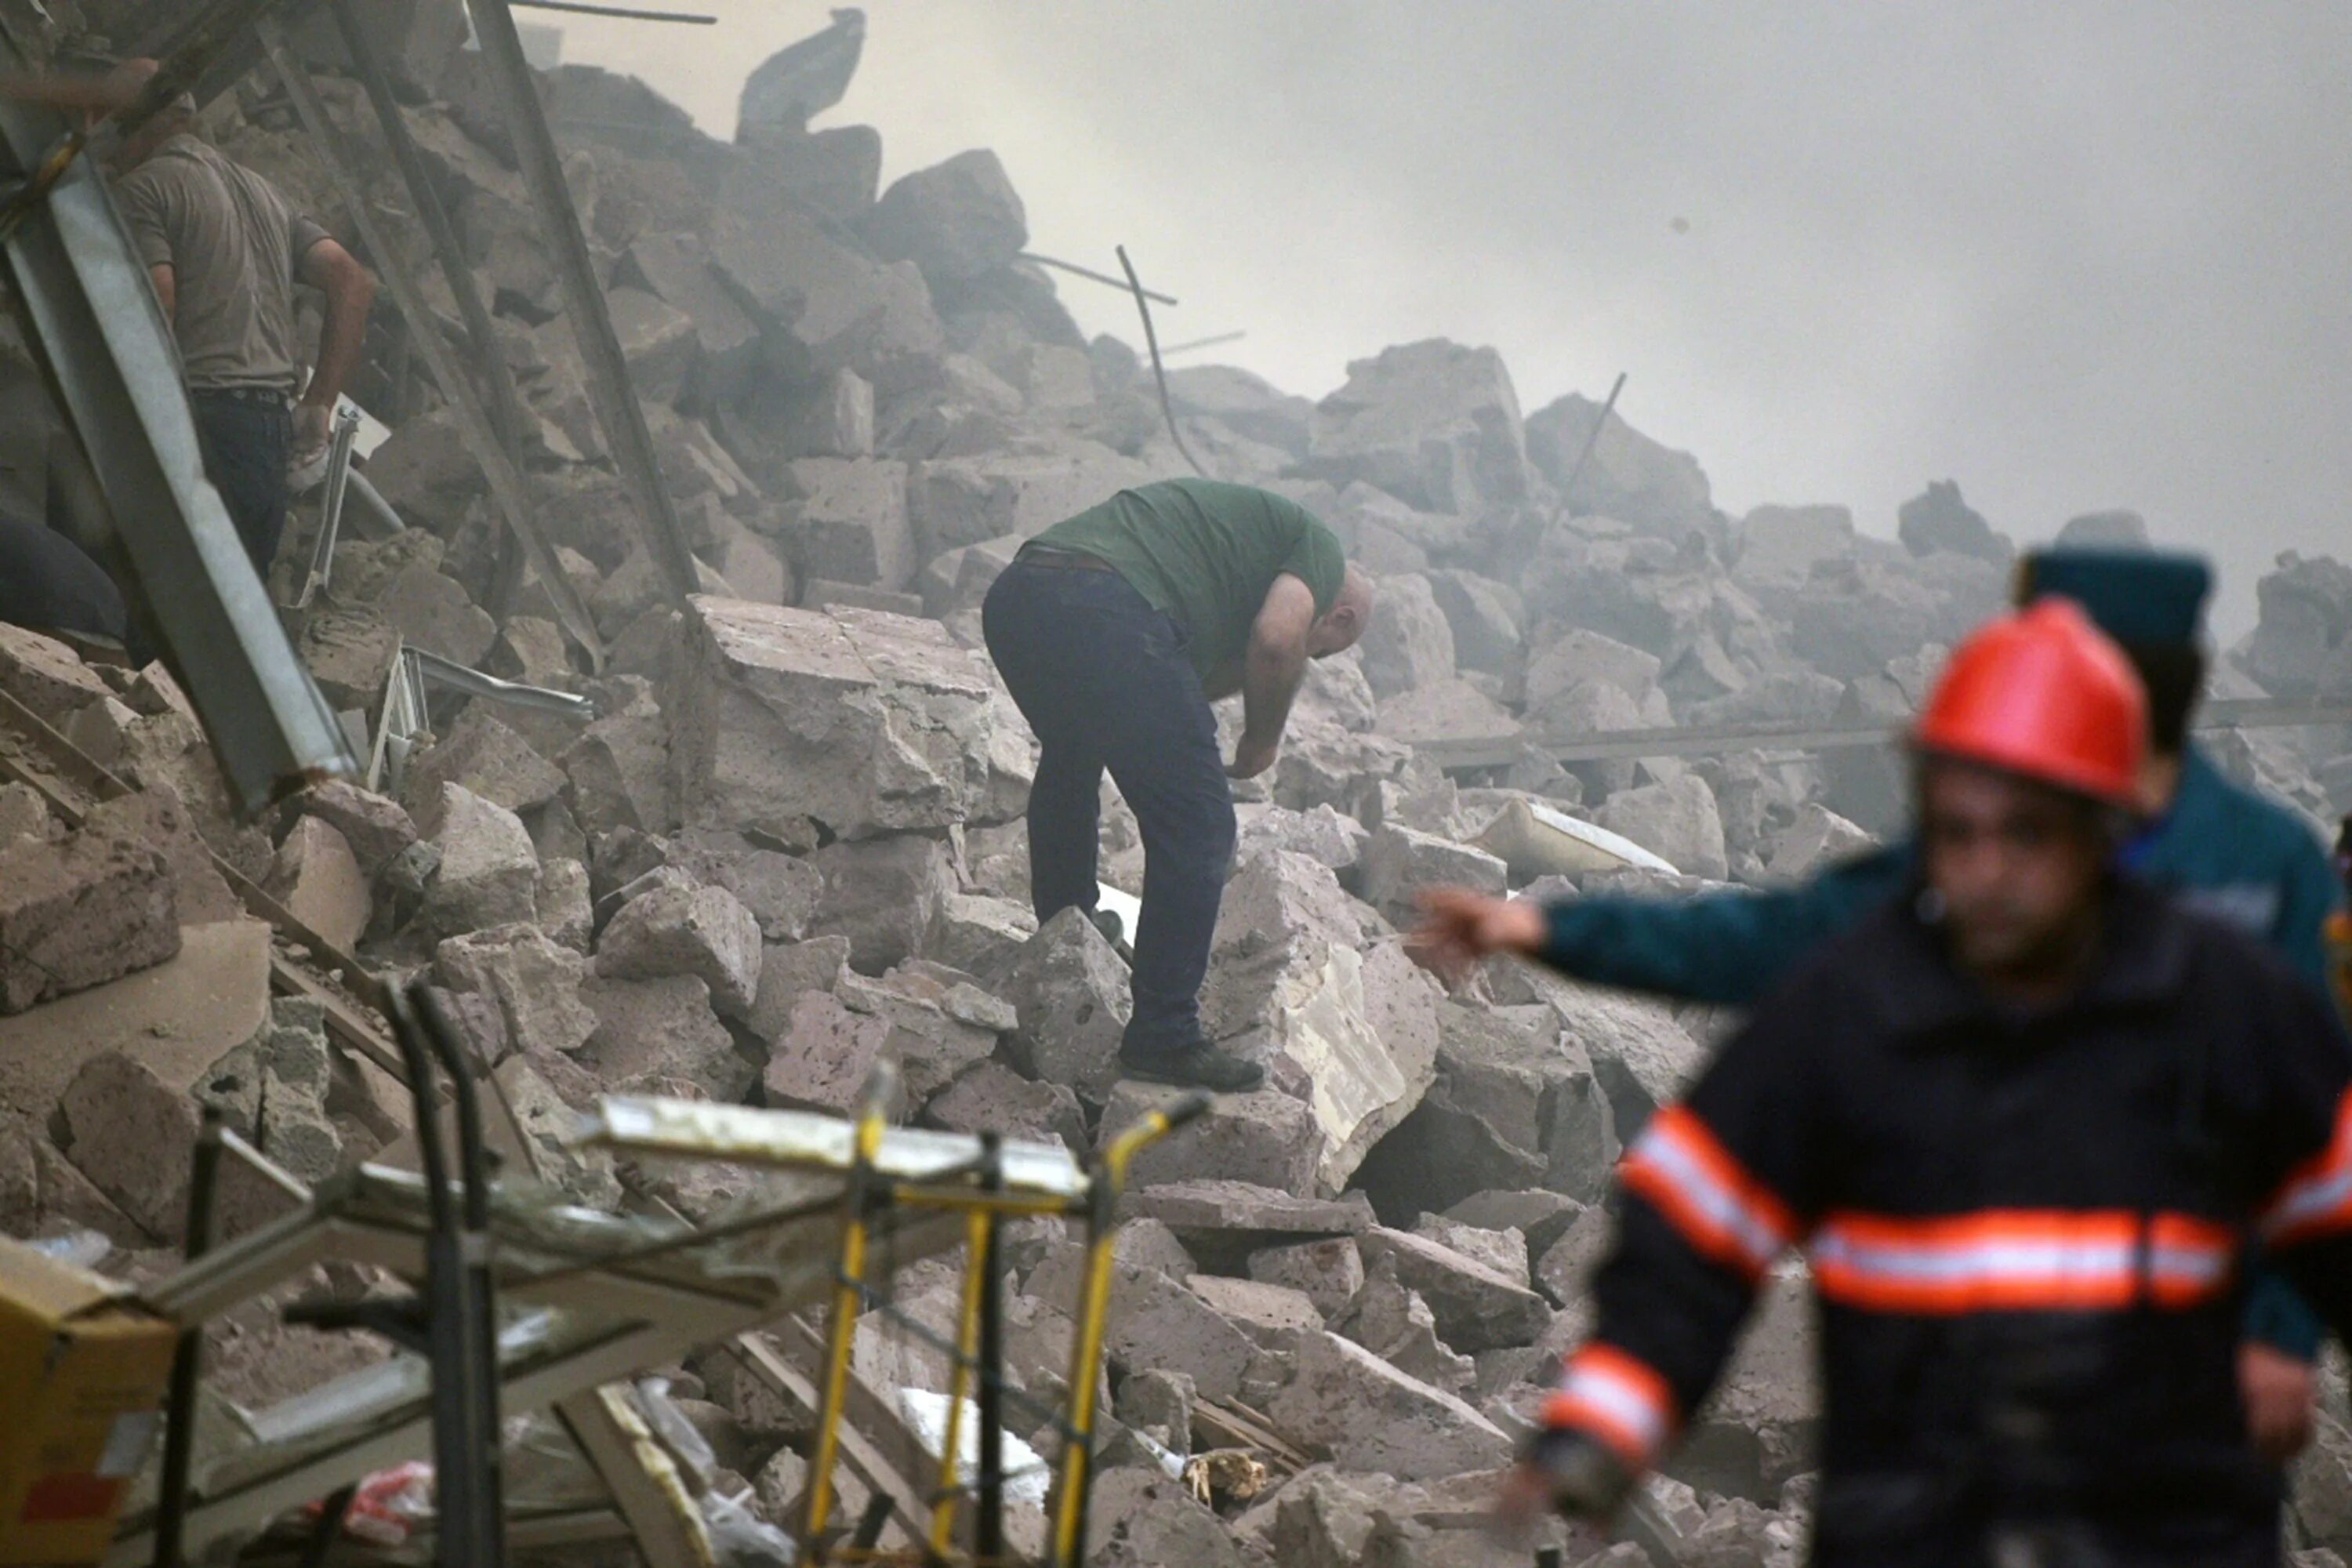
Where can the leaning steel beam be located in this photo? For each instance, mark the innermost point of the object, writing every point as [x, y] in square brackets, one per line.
[103, 340]
[610, 393]
[424, 197]
[507, 487]
[1712, 739]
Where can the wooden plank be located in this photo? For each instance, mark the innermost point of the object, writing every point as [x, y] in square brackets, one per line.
[1237, 1427]
[867, 1459]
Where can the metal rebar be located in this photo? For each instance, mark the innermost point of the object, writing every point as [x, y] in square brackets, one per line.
[505, 403]
[1092, 276]
[188, 1356]
[576, 8]
[1568, 487]
[1185, 348]
[605, 369]
[1159, 370]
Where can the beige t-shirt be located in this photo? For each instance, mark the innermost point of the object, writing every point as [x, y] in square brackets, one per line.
[233, 242]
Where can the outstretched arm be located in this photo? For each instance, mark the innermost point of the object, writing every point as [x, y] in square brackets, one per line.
[1731, 948]
[350, 292]
[1271, 669]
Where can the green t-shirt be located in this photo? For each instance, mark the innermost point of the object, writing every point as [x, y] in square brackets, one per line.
[1207, 553]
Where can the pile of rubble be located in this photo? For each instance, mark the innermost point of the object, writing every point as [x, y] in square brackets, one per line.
[790, 842]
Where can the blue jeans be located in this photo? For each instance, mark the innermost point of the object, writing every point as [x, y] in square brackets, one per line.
[245, 438]
[1105, 682]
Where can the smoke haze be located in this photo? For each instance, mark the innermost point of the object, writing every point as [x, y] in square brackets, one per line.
[2074, 257]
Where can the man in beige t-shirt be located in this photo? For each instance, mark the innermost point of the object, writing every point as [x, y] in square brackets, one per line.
[225, 248]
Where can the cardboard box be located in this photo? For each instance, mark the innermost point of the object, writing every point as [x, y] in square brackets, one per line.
[83, 1373]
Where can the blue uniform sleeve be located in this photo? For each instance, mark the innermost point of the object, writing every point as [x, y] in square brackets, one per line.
[1728, 948]
[2311, 893]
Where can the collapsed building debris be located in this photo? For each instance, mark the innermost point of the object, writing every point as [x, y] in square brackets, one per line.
[769, 834]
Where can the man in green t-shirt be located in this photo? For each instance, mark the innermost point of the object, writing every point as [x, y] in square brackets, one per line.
[1115, 630]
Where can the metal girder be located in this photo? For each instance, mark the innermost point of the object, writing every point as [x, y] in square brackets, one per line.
[507, 489]
[610, 392]
[109, 352]
[1712, 739]
[649, 1127]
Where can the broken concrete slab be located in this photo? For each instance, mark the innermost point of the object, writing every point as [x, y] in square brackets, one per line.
[549, 1127]
[133, 1135]
[1264, 1138]
[1351, 1028]
[178, 1017]
[1501, 1250]
[957, 220]
[1328, 1272]
[1217, 1216]
[1433, 423]
[1347, 1404]
[485, 754]
[695, 929]
[824, 1055]
[533, 981]
[1477, 1308]
[845, 520]
[1394, 1323]
[1324, 834]
[1678, 821]
[489, 872]
[1070, 992]
[1272, 1315]
[883, 894]
[376, 828]
[1400, 863]
[79, 911]
[940, 1022]
[788, 969]
[993, 1098]
[797, 724]
[319, 881]
[979, 934]
[1408, 643]
[662, 1028]
[1154, 1321]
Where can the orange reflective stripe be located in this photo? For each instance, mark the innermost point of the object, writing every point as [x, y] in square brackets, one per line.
[1625, 1403]
[2316, 1197]
[1683, 1171]
[2020, 1260]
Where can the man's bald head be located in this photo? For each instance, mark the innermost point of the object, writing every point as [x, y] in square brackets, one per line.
[1350, 614]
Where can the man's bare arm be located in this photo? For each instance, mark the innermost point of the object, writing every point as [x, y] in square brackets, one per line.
[167, 290]
[1271, 669]
[350, 292]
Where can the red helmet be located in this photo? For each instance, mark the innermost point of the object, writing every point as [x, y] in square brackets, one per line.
[2042, 693]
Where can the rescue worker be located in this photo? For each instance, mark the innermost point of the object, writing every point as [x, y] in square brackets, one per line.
[225, 247]
[2339, 925]
[2225, 848]
[1115, 630]
[2023, 1126]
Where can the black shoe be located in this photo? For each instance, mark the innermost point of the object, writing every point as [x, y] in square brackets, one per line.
[1114, 931]
[1198, 1066]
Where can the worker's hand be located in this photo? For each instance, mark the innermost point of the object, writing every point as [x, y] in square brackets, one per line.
[1458, 928]
[1252, 758]
[2280, 1395]
[1564, 1472]
[311, 434]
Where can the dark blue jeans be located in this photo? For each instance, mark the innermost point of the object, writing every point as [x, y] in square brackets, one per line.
[1107, 682]
[245, 438]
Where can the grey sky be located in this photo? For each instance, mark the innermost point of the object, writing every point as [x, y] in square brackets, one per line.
[2073, 256]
